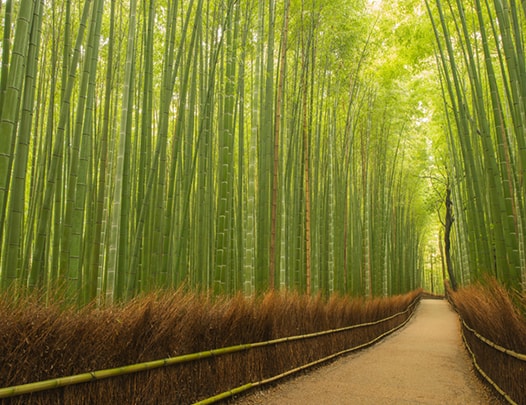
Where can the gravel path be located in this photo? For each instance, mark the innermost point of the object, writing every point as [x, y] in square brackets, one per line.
[423, 363]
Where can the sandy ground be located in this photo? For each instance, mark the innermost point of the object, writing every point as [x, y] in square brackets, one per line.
[423, 363]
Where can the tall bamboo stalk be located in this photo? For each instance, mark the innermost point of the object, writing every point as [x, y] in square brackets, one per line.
[12, 84]
[211, 144]
[485, 122]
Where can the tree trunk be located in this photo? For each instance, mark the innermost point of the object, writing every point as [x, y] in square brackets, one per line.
[447, 243]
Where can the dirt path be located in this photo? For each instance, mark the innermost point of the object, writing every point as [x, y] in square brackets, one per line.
[424, 363]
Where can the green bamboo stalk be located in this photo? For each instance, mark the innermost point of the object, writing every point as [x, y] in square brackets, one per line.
[471, 164]
[223, 230]
[391, 198]
[60, 192]
[282, 65]
[6, 44]
[38, 268]
[44, 87]
[365, 135]
[265, 149]
[96, 242]
[503, 208]
[515, 92]
[156, 178]
[13, 89]
[196, 197]
[79, 275]
[336, 281]
[114, 288]
[497, 187]
[307, 53]
[15, 219]
[203, 154]
[144, 268]
[188, 91]
[184, 271]
[74, 156]
[74, 220]
[458, 189]
[242, 143]
[203, 258]
[513, 46]
[250, 220]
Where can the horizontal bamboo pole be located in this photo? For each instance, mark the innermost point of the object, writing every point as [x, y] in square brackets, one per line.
[483, 374]
[246, 387]
[488, 342]
[509, 352]
[115, 372]
[29, 388]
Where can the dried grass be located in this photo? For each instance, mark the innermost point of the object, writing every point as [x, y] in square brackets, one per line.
[493, 312]
[40, 342]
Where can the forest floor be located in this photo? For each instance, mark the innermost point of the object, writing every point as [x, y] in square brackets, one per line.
[423, 363]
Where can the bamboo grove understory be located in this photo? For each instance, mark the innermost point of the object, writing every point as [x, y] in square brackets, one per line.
[243, 145]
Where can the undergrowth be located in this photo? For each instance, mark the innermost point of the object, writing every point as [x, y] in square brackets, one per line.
[39, 342]
[496, 314]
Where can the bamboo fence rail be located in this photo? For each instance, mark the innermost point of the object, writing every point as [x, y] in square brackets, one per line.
[493, 345]
[91, 376]
[483, 373]
[248, 386]
[509, 352]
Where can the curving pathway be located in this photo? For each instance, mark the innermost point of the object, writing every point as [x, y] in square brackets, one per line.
[423, 363]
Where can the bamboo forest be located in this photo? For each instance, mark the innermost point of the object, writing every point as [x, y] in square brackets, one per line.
[237, 148]
[247, 145]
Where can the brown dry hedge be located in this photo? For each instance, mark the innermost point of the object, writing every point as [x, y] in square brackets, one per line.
[492, 311]
[40, 342]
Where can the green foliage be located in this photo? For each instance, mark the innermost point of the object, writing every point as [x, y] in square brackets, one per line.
[160, 154]
[482, 70]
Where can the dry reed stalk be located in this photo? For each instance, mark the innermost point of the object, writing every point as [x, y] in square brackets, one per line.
[41, 342]
[489, 309]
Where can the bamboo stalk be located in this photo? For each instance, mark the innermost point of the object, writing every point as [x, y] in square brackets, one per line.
[13, 85]
[15, 220]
